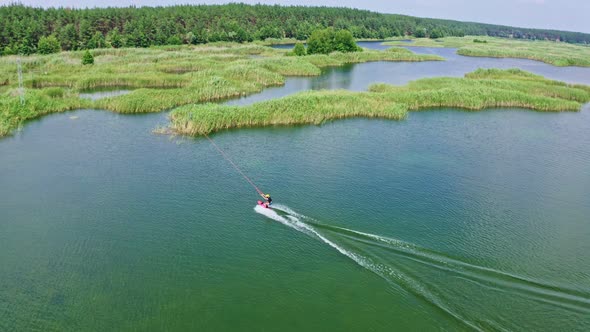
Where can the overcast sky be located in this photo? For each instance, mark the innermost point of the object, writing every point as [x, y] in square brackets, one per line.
[572, 15]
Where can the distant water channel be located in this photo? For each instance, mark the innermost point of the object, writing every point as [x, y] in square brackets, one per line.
[358, 77]
[95, 94]
[448, 220]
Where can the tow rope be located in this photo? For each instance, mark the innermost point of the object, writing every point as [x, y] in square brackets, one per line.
[234, 165]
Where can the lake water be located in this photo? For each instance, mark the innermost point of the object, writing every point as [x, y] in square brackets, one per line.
[448, 220]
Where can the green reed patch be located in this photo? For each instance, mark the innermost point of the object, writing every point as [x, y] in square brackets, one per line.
[38, 103]
[555, 53]
[311, 107]
[162, 77]
[484, 88]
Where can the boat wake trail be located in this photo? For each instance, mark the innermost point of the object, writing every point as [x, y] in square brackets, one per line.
[408, 266]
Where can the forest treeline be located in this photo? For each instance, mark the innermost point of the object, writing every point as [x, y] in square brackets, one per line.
[27, 30]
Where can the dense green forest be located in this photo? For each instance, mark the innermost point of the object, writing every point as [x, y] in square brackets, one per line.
[22, 28]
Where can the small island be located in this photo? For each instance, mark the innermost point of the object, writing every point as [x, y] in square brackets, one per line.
[483, 88]
[551, 52]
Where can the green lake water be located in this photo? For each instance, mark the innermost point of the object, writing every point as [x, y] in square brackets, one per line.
[448, 220]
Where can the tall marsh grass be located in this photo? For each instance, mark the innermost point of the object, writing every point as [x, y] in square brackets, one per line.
[477, 90]
[308, 107]
[555, 53]
[162, 77]
[172, 76]
[391, 54]
[38, 103]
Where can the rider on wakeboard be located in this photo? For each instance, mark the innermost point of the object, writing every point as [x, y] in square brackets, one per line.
[267, 200]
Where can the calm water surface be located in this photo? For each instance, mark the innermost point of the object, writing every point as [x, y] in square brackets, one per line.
[104, 93]
[448, 220]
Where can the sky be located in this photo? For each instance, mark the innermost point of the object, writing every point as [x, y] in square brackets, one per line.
[570, 15]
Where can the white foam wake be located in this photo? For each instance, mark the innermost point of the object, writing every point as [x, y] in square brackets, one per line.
[294, 220]
[539, 291]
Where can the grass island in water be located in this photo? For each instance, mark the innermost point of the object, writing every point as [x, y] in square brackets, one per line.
[163, 77]
[483, 88]
[554, 53]
[167, 77]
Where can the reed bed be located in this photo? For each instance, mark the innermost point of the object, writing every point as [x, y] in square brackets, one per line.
[391, 54]
[38, 103]
[477, 90]
[238, 79]
[162, 77]
[486, 88]
[289, 66]
[554, 53]
[308, 107]
[579, 59]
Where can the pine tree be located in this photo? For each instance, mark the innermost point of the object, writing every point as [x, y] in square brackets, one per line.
[87, 59]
